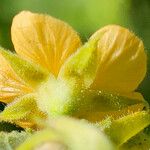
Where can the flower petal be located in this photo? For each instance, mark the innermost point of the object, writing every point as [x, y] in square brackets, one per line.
[123, 61]
[11, 85]
[43, 39]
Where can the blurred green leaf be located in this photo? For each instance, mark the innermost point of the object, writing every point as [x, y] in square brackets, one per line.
[9, 141]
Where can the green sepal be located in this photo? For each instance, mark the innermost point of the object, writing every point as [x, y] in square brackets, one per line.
[10, 141]
[121, 130]
[70, 94]
[31, 73]
[22, 108]
[58, 97]
[72, 134]
[94, 105]
[141, 141]
[81, 66]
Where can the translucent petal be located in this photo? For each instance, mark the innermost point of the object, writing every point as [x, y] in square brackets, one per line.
[31, 73]
[43, 39]
[11, 85]
[134, 95]
[122, 65]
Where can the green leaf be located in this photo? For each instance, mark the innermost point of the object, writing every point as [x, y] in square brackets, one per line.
[31, 73]
[121, 130]
[10, 141]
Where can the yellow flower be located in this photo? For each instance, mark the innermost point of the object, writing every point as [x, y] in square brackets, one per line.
[41, 40]
[43, 44]
[44, 40]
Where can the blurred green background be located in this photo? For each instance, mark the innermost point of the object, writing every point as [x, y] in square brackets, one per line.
[86, 16]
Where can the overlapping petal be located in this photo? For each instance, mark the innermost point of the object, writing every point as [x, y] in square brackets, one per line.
[122, 65]
[43, 39]
[11, 85]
